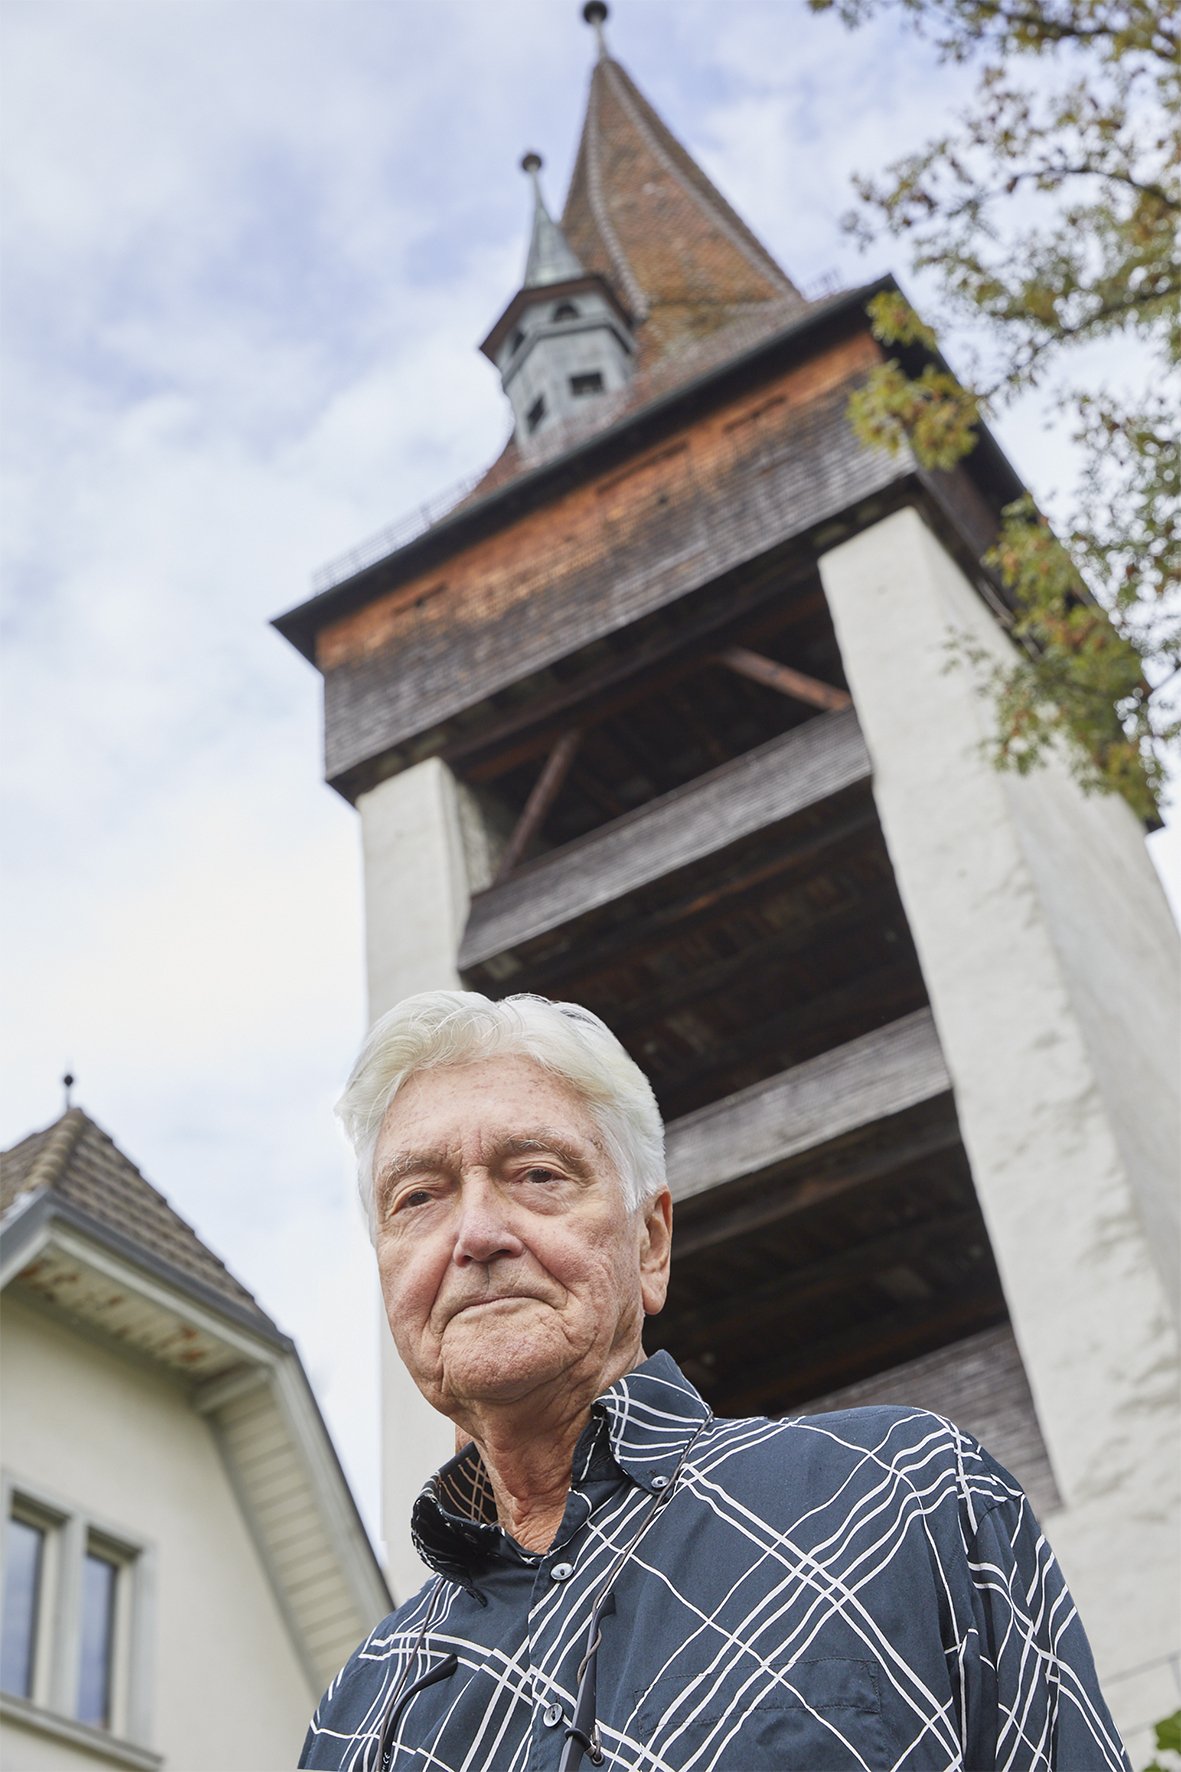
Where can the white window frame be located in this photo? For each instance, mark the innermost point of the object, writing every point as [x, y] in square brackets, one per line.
[70, 1532]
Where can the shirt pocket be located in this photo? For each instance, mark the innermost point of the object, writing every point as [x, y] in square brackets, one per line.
[818, 1716]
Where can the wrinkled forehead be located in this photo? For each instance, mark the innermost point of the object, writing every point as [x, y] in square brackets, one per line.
[478, 1109]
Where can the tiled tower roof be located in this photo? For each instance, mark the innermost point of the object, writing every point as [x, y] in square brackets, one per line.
[696, 284]
[81, 1164]
[550, 259]
[642, 213]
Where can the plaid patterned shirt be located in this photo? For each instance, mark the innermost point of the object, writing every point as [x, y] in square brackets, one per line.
[864, 1589]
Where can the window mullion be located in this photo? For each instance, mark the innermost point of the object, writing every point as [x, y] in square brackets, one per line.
[67, 1635]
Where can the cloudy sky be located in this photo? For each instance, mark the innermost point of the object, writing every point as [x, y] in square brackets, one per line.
[251, 247]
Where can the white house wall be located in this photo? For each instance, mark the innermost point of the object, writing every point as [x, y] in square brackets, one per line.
[1051, 962]
[123, 1443]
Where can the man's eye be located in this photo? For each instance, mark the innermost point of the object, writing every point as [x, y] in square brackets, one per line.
[419, 1196]
[541, 1175]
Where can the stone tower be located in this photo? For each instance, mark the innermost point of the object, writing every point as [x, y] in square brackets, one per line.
[658, 719]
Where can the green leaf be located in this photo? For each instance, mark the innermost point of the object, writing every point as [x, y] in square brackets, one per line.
[1168, 1734]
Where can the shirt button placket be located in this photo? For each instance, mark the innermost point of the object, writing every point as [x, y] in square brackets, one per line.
[549, 1738]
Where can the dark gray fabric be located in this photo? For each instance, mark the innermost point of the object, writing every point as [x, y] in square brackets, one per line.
[862, 1589]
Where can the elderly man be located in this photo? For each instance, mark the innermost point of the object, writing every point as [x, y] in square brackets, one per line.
[620, 1578]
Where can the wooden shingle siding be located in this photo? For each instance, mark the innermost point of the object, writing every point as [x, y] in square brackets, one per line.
[881, 1073]
[761, 788]
[980, 1384]
[599, 558]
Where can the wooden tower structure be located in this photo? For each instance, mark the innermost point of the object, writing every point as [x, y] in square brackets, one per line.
[658, 719]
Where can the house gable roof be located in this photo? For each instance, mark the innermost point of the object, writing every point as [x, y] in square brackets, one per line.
[86, 1236]
[81, 1164]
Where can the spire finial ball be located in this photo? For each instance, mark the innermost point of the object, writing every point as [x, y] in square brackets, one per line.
[595, 13]
[531, 163]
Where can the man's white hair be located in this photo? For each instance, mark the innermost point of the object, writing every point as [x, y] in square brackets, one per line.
[461, 1027]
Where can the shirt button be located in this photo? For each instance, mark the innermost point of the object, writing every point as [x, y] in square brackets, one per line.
[660, 1482]
[553, 1716]
[561, 1571]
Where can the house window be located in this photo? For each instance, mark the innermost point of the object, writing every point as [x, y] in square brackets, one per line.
[100, 1578]
[24, 1561]
[535, 413]
[565, 310]
[591, 383]
[74, 1624]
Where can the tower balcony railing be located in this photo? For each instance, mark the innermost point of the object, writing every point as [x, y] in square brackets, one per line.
[395, 535]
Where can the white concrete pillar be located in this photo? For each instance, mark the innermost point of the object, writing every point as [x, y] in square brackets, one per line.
[418, 884]
[1051, 961]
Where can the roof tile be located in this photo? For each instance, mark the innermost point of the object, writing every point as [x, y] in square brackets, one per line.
[81, 1164]
[642, 213]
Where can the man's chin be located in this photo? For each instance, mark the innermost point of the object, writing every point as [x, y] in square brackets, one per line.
[501, 1352]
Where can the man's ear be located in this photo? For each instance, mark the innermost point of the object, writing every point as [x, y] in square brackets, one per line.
[656, 1250]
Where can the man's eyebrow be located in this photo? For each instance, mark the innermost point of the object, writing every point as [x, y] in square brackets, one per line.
[404, 1163]
[540, 1140]
[434, 1162]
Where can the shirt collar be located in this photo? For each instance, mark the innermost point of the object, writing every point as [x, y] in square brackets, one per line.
[648, 1417]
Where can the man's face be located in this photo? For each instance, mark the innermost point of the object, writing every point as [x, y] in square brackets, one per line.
[509, 1263]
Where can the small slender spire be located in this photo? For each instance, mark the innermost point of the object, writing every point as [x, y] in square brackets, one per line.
[595, 14]
[67, 1085]
[550, 259]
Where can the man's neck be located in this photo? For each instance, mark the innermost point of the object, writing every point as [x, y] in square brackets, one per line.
[528, 1451]
[531, 1482]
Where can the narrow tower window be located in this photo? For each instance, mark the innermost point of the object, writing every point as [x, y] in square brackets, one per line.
[535, 413]
[518, 340]
[565, 310]
[591, 383]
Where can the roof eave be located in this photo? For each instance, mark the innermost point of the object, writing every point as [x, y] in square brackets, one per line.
[533, 293]
[23, 1228]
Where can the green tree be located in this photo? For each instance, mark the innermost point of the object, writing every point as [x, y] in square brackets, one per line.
[1049, 219]
[1168, 1740]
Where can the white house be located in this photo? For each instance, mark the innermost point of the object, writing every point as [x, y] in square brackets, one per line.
[184, 1566]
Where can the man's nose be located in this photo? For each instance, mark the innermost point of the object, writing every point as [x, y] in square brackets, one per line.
[483, 1231]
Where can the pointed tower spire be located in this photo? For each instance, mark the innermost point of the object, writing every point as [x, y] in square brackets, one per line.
[643, 214]
[565, 337]
[550, 259]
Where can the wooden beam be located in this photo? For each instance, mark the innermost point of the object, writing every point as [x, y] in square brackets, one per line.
[545, 791]
[485, 750]
[843, 917]
[799, 769]
[881, 1073]
[776, 1203]
[785, 1301]
[698, 905]
[826, 1020]
[784, 679]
